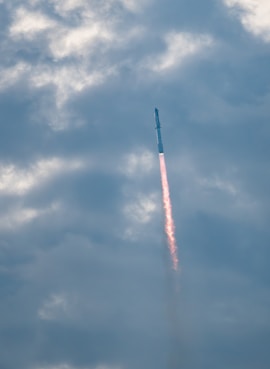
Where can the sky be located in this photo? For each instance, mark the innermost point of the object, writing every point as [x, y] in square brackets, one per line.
[83, 260]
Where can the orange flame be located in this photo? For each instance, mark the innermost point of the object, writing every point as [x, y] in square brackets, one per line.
[169, 223]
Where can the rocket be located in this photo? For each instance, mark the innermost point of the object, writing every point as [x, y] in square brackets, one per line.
[159, 140]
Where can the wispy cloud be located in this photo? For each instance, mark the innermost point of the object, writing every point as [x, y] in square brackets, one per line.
[74, 41]
[56, 305]
[19, 215]
[79, 41]
[179, 46]
[18, 181]
[29, 24]
[11, 75]
[67, 80]
[254, 15]
[139, 212]
[80, 45]
[137, 163]
[142, 208]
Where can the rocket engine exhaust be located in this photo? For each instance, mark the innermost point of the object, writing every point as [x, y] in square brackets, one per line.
[169, 222]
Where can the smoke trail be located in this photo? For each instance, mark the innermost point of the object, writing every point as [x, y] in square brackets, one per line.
[169, 223]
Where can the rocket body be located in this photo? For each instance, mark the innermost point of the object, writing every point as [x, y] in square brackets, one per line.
[159, 140]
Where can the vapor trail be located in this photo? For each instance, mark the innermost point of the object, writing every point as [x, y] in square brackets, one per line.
[169, 222]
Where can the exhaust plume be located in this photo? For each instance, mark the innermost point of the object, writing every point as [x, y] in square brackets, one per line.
[169, 222]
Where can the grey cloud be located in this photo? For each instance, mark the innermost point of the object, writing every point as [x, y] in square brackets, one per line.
[85, 280]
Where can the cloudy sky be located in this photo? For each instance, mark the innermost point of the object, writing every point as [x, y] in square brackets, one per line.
[84, 272]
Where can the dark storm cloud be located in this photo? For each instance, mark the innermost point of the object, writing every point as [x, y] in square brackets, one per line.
[83, 280]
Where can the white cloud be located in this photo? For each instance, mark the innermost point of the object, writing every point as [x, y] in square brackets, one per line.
[62, 38]
[142, 208]
[14, 218]
[79, 41]
[17, 217]
[254, 15]
[179, 46]
[63, 7]
[137, 163]
[67, 80]
[138, 212]
[29, 24]
[18, 181]
[10, 76]
[134, 6]
[216, 183]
